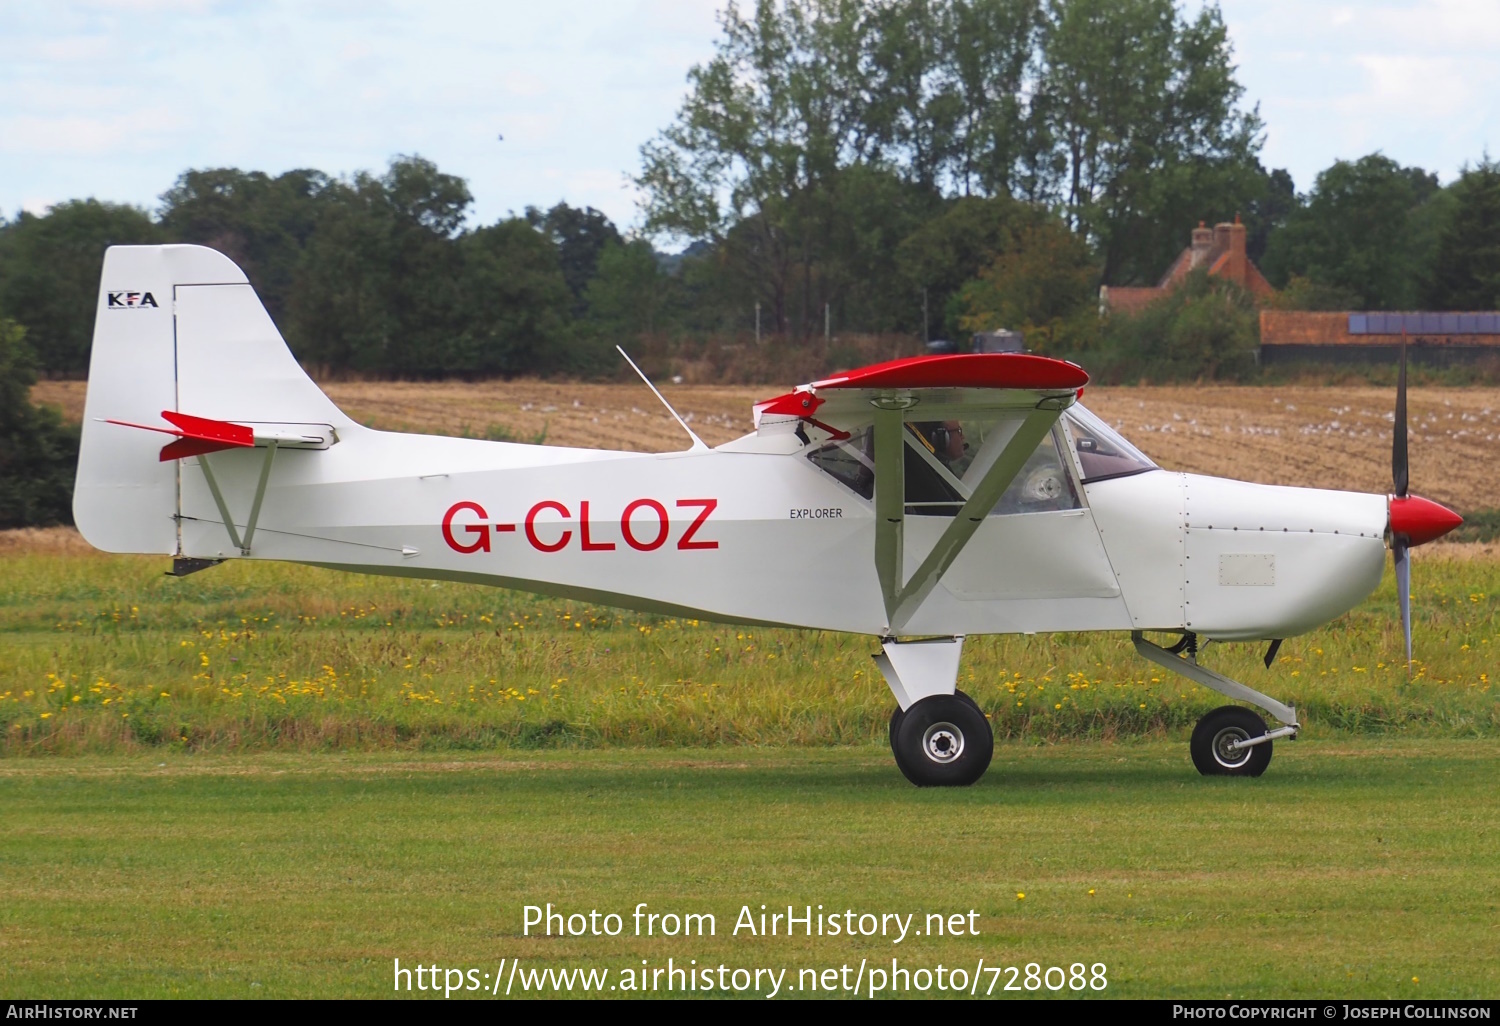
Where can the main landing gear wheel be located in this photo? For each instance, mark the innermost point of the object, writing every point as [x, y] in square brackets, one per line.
[942, 741]
[1214, 737]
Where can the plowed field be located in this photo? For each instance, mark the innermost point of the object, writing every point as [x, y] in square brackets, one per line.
[1322, 437]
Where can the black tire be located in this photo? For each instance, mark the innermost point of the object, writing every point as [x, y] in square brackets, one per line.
[899, 713]
[896, 718]
[943, 741]
[1213, 732]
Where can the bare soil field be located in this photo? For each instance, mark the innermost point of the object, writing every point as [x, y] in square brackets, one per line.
[1331, 437]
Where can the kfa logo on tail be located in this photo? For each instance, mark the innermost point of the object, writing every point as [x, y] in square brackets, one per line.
[124, 300]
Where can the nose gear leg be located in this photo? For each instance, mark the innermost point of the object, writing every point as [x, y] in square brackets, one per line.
[1230, 741]
[1191, 669]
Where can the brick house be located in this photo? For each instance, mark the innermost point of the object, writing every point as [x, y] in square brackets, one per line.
[1221, 249]
[1333, 337]
[1359, 337]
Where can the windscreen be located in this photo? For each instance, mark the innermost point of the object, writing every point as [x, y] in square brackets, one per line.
[1102, 452]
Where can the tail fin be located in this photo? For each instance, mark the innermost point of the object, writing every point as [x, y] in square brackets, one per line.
[179, 329]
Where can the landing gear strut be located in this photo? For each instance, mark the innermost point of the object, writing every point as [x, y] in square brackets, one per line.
[939, 736]
[1230, 741]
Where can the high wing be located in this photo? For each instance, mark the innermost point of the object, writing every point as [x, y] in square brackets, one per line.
[932, 388]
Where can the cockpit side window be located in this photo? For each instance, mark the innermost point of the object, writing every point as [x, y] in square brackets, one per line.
[931, 488]
[1102, 452]
[946, 460]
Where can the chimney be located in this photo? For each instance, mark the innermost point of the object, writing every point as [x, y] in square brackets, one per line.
[1221, 238]
[1238, 267]
[1203, 241]
[1229, 251]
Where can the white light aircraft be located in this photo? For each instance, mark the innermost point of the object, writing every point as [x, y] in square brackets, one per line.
[918, 502]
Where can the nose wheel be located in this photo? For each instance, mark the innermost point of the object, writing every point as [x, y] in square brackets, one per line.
[1219, 745]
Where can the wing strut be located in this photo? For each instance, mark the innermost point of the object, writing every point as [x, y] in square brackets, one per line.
[903, 599]
[890, 503]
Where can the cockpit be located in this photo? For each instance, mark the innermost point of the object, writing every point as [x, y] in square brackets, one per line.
[945, 460]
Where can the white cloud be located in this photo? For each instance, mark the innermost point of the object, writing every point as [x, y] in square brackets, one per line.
[72, 48]
[1413, 86]
[1437, 26]
[25, 135]
[147, 6]
[1416, 81]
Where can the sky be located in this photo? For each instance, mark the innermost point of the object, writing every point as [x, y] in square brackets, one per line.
[114, 98]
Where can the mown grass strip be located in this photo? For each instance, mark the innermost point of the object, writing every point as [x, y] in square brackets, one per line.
[1354, 868]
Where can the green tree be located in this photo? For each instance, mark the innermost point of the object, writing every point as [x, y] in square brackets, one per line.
[1123, 113]
[379, 288]
[1206, 328]
[1301, 294]
[49, 274]
[1466, 267]
[1043, 283]
[1143, 132]
[950, 249]
[261, 223]
[1366, 227]
[1268, 212]
[38, 452]
[341, 314]
[581, 236]
[630, 296]
[768, 122]
[515, 305]
[989, 55]
[865, 215]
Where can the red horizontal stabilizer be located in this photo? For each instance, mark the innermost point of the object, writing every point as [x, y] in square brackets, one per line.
[196, 436]
[185, 447]
[201, 436]
[965, 370]
[206, 430]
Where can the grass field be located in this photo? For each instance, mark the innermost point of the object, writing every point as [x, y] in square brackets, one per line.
[1353, 868]
[106, 654]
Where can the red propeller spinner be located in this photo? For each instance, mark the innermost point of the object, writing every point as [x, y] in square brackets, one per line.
[1420, 520]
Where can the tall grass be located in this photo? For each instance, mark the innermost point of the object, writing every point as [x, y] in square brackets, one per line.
[105, 654]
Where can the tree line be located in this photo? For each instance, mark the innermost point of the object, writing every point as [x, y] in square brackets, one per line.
[914, 167]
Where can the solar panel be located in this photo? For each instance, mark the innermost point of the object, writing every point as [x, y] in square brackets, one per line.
[1424, 323]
